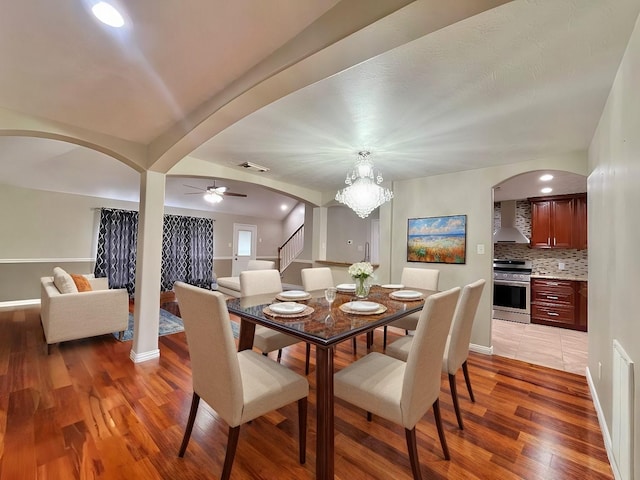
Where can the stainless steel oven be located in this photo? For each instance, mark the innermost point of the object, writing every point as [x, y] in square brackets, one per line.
[512, 290]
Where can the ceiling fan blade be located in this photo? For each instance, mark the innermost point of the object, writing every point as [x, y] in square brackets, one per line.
[231, 194]
[191, 186]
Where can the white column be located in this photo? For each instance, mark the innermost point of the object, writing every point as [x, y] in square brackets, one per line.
[319, 244]
[149, 257]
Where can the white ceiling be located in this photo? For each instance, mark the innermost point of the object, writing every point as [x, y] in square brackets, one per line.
[520, 81]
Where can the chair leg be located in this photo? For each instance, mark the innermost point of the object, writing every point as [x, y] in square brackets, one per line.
[195, 401]
[279, 355]
[443, 441]
[302, 429]
[121, 335]
[412, 447]
[306, 361]
[369, 416]
[384, 338]
[454, 397]
[465, 370]
[355, 350]
[232, 445]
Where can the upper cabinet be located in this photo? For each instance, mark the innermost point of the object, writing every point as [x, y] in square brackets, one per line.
[559, 221]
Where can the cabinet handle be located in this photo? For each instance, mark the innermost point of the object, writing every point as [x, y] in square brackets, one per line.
[555, 284]
[551, 297]
[553, 314]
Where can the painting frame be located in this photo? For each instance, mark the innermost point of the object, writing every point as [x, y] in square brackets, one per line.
[441, 239]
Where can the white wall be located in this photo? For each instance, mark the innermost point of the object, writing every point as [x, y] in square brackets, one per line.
[464, 193]
[614, 233]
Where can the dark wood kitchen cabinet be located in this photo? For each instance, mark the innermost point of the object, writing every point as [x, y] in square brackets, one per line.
[559, 221]
[559, 303]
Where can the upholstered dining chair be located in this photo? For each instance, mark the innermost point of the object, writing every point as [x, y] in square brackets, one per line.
[456, 350]
[319, 278]
[402, 392]
[239, 386]
[261, 282]
[424, 278]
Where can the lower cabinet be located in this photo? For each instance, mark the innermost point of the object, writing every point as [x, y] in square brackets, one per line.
[559, 303]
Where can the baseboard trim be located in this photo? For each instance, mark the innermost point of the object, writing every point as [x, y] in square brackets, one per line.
[19, 304]
[145, 356]
[608, 446]
[481, 349]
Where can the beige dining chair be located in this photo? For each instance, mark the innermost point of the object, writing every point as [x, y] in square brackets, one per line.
[423, 278]
[400, 391]
[456, 351]
[261, 282]
[319, 278]
[239, 386]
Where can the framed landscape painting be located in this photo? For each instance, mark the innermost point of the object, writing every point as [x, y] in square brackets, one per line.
[437, 239]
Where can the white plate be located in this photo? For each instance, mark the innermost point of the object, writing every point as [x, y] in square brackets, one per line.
[286, 308]
[294, 294]
[407, 294]
[347, 287]
[392, 285]
[363, 306]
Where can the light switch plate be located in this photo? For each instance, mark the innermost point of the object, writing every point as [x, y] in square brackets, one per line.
[480, 249]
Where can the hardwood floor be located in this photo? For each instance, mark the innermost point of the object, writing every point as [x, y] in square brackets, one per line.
[86, 411]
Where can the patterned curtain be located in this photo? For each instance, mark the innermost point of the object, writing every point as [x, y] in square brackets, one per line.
[187, 251]
[116, 255]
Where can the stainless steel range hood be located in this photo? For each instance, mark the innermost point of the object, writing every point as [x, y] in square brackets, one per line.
[508, 233]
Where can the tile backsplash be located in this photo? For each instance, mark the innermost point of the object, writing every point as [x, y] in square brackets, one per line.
[544, 261]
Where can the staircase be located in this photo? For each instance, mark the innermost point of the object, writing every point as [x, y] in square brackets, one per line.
[290, 249]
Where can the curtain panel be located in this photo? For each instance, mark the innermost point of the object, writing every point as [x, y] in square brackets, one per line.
[117, 248]
[187, 250]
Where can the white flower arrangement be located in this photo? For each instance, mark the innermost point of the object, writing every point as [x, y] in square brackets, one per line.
[361, 270]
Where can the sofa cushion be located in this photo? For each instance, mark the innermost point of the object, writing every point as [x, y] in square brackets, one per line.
[63, 281]
[82, 283]
[232, 283]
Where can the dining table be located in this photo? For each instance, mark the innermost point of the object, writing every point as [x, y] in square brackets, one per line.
[325, 325]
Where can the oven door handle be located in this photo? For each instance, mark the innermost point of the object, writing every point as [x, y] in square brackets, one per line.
[511, 284]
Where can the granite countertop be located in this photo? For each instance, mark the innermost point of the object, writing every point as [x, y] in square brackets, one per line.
[560, 276]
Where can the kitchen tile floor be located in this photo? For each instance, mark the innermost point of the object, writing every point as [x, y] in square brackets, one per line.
[553, 347]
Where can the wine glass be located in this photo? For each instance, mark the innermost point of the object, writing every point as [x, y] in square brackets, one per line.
[330, 295]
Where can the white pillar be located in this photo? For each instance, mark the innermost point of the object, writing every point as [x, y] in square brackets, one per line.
[319, 244]
[149, 257]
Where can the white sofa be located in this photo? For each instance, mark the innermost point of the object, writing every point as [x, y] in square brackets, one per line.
[231, 285]
[70, 316]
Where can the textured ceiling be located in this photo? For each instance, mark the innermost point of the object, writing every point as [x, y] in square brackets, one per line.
[520, 81]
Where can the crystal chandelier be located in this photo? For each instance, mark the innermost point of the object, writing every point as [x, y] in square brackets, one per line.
[364, 193]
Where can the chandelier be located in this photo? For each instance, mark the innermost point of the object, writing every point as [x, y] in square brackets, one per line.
[364, 193]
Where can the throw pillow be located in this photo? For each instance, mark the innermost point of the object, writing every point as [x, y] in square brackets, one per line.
[63, 281]
[82, 283]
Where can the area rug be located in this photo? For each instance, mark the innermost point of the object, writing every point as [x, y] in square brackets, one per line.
[167, 325]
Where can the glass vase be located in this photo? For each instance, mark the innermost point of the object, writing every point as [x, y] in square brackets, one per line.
[362, 287]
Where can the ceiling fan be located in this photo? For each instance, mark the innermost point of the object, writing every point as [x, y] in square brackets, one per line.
[214, 194]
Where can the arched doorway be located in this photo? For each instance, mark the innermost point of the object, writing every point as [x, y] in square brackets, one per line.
[561, 348]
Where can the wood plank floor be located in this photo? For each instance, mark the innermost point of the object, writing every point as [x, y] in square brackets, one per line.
[86, 411]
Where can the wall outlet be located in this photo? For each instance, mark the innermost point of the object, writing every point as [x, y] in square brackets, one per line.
[480, 249]
[561, 266]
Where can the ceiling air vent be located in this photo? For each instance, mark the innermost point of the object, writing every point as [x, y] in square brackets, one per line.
[253, 166]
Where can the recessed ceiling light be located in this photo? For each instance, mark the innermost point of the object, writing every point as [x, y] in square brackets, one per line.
[108, 14]
[546, 177]
[547, 190]
[283, 207]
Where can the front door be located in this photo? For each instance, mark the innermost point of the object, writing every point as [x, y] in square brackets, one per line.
[244, 247]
